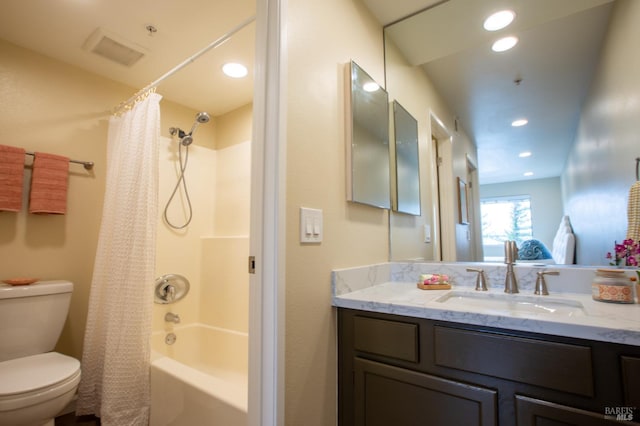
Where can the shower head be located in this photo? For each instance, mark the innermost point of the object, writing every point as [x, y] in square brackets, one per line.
[202, 117]
[186, 139]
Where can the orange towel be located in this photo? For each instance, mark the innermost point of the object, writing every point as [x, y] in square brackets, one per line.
[49, 184]
[11, 178]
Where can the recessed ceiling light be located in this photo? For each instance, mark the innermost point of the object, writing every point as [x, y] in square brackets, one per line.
[499, 20]
[528, 174]
[525, 154]
[371, 86]
[504, 44]
[235, 70]
[520, 122]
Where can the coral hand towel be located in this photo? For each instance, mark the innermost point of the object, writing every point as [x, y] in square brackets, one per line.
[49, 184]
[11, 178]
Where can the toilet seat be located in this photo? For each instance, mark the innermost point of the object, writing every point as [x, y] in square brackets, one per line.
[31, 380]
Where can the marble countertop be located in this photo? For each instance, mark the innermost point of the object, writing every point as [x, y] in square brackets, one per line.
[608, 322]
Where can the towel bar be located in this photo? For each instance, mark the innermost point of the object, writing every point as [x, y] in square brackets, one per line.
[87, 164]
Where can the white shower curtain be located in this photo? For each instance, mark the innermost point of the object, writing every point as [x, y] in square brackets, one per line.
[115, 359]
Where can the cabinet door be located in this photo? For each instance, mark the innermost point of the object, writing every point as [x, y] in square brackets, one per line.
[535, 412]
[387, 395]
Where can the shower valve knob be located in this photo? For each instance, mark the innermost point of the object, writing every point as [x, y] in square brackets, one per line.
[170, 288]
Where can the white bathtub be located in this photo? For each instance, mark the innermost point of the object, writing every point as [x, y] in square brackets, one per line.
[201, 379]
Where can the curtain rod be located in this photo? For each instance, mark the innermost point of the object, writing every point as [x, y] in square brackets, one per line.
[143, 92]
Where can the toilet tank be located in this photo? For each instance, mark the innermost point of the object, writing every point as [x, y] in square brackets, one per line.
[32, 317]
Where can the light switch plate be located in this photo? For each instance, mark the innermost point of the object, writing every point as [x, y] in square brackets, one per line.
[310, 225]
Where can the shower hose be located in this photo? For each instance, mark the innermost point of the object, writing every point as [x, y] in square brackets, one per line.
[181, 180]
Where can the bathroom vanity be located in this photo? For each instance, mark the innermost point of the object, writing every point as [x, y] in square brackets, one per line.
[415, 357]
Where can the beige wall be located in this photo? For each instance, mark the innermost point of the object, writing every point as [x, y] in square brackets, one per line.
[51, 107]
[337, 31]
[323, 36]
[601, 165]
[411, 87]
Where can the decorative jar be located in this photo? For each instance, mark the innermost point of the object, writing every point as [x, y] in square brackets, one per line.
[612, 285]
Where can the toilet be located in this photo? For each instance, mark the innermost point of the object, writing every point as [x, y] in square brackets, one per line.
[36, 384]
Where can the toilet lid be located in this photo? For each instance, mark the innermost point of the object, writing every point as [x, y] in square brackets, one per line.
[27, 374]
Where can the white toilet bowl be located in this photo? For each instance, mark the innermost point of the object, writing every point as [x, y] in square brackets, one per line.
[34, 389]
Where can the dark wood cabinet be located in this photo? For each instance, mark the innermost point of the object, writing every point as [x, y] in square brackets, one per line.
[403, 371]
[387, 395]
[535, 412]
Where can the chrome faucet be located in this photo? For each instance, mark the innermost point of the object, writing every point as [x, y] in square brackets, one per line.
[541, 285]
[481, 280]
[510, 256]
[171, 317]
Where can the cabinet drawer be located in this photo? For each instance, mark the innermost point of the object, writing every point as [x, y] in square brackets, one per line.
[631, 380]
[558, 366]
[395, 396]
[387, 338]
[536, 412]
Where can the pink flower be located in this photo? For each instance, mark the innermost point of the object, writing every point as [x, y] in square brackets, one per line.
[626, 253]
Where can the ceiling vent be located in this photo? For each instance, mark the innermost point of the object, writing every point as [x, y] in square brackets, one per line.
[114, 47]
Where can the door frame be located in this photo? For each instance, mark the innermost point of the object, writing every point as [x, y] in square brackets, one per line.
[267, 233]
[445, 212]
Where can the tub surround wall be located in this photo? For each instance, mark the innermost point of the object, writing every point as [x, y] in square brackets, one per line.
[224, 293]
[232, 190]
[218, 176]
[176, 250]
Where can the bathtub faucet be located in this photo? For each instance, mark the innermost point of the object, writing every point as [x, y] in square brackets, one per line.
[171, 317]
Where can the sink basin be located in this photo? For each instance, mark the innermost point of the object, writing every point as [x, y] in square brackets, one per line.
[513, 304]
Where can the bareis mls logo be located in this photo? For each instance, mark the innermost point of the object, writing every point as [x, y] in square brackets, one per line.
[619, 413]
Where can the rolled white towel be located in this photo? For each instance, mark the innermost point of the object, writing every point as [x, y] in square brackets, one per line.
[633, 213]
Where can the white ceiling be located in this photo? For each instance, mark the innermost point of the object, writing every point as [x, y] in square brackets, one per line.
[480, 91]
[555, 58]
[59, 29]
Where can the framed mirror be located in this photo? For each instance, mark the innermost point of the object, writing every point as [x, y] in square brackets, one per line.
[407, 170]
[368, 157]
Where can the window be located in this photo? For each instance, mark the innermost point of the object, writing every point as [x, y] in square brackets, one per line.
[505, 218]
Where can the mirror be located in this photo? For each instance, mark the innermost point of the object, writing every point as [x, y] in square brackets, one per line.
[586, 153]
[368, 157]
[407, 169]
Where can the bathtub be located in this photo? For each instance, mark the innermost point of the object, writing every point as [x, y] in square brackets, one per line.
[201, 379]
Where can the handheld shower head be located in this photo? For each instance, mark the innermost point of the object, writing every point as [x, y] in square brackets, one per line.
[201, 118]
[186, 139]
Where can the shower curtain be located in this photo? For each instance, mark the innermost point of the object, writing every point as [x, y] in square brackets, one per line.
[115, 359]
